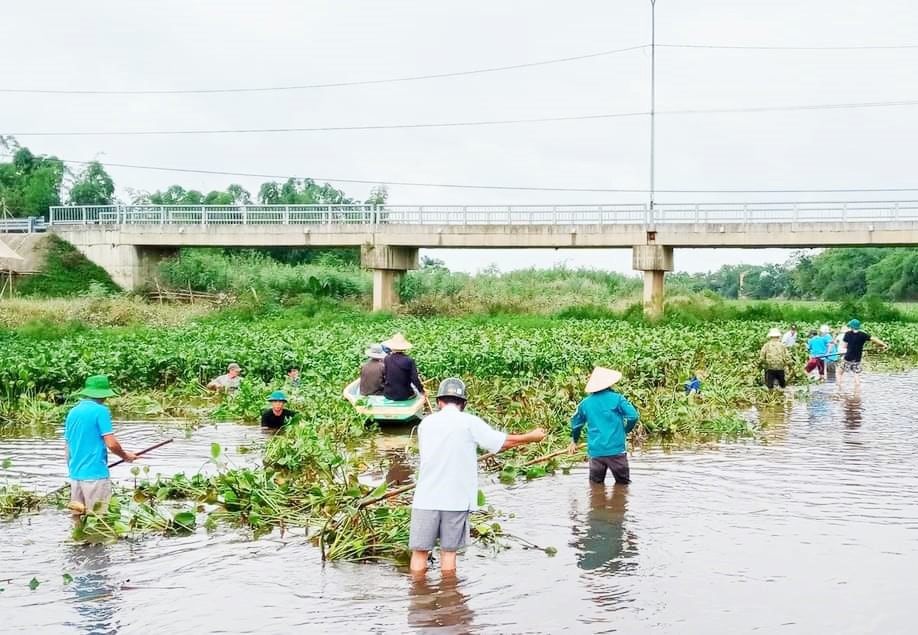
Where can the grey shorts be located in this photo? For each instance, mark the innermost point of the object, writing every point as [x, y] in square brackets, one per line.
[851, 367]
[452, 528]
[91, 492]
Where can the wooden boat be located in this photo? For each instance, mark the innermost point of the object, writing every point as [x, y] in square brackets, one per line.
[381, 409]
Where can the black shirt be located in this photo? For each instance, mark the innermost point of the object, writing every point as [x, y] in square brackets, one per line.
[271, 420]
[856, 341]
[401, 372]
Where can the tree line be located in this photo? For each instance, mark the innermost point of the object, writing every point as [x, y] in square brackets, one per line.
[890, 273]
[30, 184]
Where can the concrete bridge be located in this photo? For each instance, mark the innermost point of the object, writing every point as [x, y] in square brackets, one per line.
[129, 240]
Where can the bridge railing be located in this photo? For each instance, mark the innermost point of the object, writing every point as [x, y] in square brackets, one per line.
[360, 214]
[28, 225]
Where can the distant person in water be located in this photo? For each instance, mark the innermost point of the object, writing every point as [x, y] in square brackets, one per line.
[229, 381]
[293, 376]
[277, 416]
[373, 372]
[790, 338]
[855, 339]
[608, 418]
[775, 359]
[401, 373]
[693, 385]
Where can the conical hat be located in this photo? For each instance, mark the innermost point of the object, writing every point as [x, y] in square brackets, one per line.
[398, 343]
[602, 378]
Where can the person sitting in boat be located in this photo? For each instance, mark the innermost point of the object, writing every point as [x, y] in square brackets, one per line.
[373, 372]
[277, 416]
[401, 373]
[228, 382]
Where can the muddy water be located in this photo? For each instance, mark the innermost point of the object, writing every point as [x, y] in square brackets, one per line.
[811, 529]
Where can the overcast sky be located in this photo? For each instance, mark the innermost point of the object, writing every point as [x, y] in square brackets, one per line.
[178, 44]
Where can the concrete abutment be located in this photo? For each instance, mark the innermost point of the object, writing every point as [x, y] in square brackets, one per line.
[131, 267]
[388, 265]
[654, 261]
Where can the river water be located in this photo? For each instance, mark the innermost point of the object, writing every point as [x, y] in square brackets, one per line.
[811, 528]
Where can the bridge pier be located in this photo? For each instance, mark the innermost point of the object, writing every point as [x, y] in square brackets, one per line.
[654, 261]
[388, 264]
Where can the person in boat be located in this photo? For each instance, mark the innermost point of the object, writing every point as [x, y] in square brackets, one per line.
[401, 373]
[88, 438]
[373, 372]
[447, 490]
[855, 339]
[608, 418]
[229, 381]
[277, 416]
[775, 359]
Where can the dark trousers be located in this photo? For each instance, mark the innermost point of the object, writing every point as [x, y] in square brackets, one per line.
[773, 377]
[618, 464]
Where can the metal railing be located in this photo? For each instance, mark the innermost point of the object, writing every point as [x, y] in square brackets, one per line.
[662, 214]
[29, 225]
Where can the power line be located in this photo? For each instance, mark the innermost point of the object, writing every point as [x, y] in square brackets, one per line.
[469, 186]
[365, 82]
[854, 47]
[463, 124]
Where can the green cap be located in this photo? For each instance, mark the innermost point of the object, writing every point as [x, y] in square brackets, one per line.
[854, 324]
[277, 395]
[97, 387]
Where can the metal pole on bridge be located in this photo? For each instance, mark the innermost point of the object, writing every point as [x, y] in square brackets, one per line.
[653, 84]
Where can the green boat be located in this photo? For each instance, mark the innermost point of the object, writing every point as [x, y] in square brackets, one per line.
[379, 408]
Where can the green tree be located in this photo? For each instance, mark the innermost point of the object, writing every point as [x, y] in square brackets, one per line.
[29, 184]
[93, 186]
[895, 276]
[301, 192]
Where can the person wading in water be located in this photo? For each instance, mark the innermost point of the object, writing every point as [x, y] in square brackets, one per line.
[447, 490]
[608, 418]
[855, 339]
[88, 438]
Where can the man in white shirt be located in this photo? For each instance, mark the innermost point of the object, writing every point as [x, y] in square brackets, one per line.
[790, 338]
[447, 490]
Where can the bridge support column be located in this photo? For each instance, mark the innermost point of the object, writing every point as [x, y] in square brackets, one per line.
[388, 264]
[654, 261]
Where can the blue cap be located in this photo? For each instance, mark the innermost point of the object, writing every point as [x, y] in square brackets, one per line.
[277, 395]
[854, 324]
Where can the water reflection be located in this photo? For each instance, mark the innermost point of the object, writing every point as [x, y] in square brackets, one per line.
[853, 411]
[441, 605]
[602, 542]
[92, 590]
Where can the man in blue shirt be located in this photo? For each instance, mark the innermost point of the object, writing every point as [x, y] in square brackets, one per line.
[819, 347]
[88, 437]
[608, 418]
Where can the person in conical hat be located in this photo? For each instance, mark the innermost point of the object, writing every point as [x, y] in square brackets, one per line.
[608, 418]
[401, 373]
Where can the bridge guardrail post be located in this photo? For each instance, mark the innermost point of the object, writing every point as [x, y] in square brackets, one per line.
[162, 215]
[845, 213]
[896, 210]
[554, 215]
[796, 214]
[203, 215]
[745, 214]
[84, 215]
[245, 215]
[286, 214]
[465, 215]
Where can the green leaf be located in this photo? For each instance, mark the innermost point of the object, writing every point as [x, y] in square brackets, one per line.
[380, 490]
[7, 463]
[135, 470]
[481, 499]
[185, 520]
[68, 578]
[33, 583]
[215, 450]
[550, 551]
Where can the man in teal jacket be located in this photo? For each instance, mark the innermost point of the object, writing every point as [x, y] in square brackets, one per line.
[608, 418]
